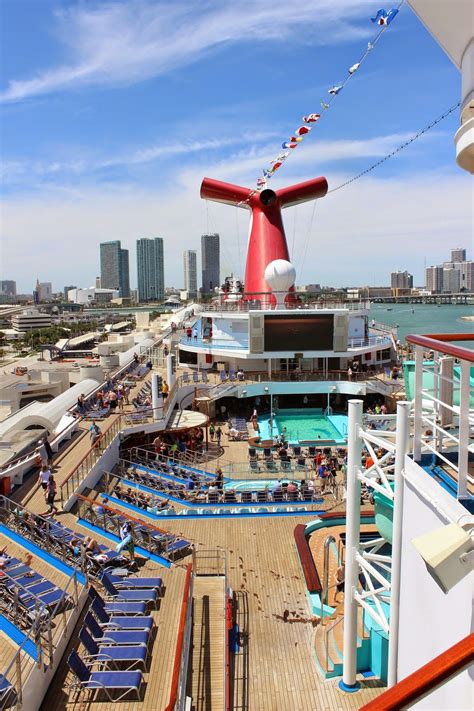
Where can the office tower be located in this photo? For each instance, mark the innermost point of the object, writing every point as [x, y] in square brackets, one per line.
[434, 279]
[401, 280]
[466, 276]
[66, 291]
[190, 272]
[8, 287]
[451, 278]
[150, 269]
[210, 260]
[45, 291]
[458, 254]
[114, 270]
[98, 284]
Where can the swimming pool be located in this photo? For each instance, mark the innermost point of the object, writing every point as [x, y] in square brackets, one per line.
[305, 425]
[253, 484]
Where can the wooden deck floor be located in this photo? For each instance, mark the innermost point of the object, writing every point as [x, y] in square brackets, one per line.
[264, 571]
[208, 654]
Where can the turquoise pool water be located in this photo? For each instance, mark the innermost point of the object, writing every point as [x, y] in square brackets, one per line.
[253, 484]
[304, 425]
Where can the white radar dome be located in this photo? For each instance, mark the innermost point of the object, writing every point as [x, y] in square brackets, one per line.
[280, 275]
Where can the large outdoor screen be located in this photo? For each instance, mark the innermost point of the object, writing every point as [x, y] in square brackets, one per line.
[299, 332]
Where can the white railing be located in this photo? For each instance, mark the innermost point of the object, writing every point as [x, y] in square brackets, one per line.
[444, 407]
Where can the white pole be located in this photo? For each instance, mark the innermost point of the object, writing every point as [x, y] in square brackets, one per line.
[418, 402]
[401, 449]
[463, 454]
[156, 398]
[351, 577]
[169, 370]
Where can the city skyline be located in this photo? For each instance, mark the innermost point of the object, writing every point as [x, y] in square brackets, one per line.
[113, 154]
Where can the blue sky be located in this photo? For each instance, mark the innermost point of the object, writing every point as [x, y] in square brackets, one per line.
[112, 113]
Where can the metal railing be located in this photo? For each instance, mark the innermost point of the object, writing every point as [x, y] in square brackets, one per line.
[444, 407]
[43, 628]
[262, 301]
[179, 679]
[200, 494]
[40, 531]
[210, 561]
[79, 473]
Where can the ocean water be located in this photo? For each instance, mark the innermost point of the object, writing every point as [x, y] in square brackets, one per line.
[424, 318]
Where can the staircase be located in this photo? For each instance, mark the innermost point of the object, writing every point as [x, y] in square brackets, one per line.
[329, 644]
[208, 674]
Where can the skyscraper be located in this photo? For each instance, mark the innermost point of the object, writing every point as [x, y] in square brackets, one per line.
[190, 272]
[8, 287]
[458, 254]
[210, 258]
[434, 279]
[451, 279]
[114, 269]
[401, 280]
[151, 270]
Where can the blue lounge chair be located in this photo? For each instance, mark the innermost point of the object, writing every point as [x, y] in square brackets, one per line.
[115, 607]
[133, 583]
[186, 377]
[129, 595]
[132, 656]
[125, 637]
[120, 622]
[107, 681]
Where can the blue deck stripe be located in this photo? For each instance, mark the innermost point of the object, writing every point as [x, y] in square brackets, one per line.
[142, 551]
[18, 637]
[40, 553]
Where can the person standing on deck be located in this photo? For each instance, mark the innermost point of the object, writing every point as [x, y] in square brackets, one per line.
[51, 495]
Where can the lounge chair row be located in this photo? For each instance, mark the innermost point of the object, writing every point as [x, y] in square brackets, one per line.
[25, 594]
[116, 636]
[153, 541]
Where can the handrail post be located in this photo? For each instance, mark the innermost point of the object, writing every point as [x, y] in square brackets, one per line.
[418, 403]
[401, 448]
[463, 451]
[354, 452]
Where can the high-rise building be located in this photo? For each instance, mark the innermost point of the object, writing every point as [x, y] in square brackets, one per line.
[458, 254]
[98, 284]
[66, 291]
[434, 279]
[190, 272]
[150, 269]
[114, 269]
[8, 287]
[466, 276]
[451, 278]
[401, 280]
[45, 290]
[210, 260]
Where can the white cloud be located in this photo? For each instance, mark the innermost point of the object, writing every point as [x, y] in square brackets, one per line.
[115, 43]
[248, 155]
[357, 236]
